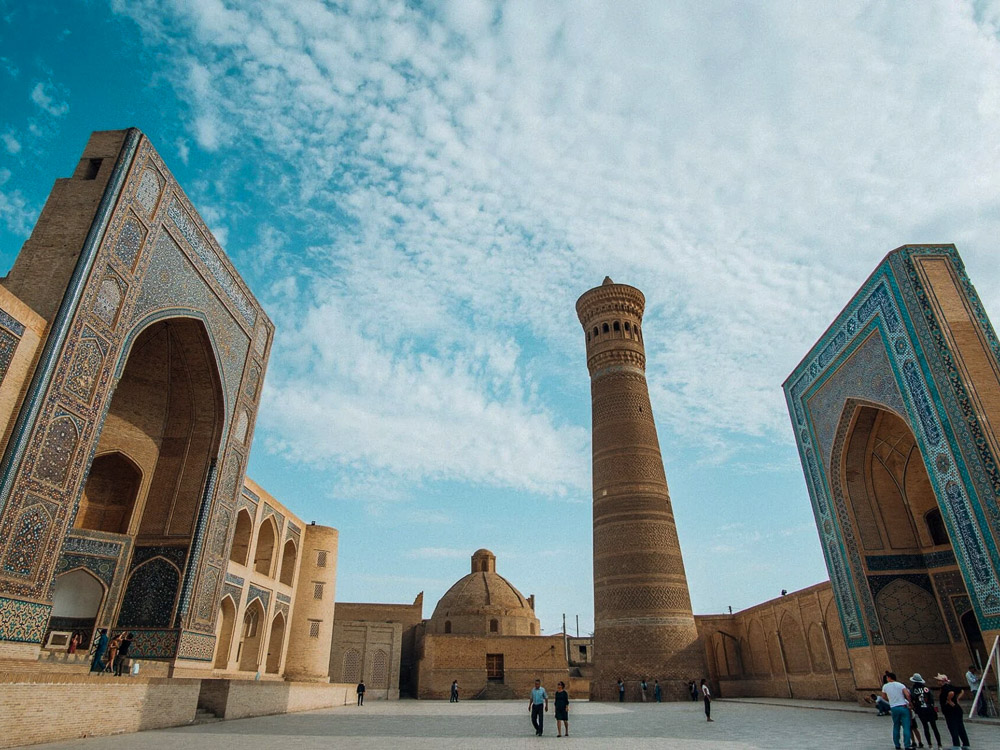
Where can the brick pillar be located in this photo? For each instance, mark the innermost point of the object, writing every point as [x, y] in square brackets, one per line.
[643, 625]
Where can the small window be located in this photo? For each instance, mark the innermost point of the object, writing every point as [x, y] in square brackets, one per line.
[605, 328]
[618, 327]
[627, 327]
[317, 589]
[935, 526]
[447, 626]
[494, 626]
[92, 168]
[314, 628]
[596, 332]
[583, 651]
[321, 558]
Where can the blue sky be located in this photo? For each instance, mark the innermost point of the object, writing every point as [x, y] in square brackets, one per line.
[418, 193]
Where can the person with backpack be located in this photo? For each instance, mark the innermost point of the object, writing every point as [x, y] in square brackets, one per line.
[922, 701]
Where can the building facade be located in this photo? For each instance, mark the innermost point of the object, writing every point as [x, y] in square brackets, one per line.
[896, 410]
[132, 357]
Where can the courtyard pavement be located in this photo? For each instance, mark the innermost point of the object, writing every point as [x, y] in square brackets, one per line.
[499, 725]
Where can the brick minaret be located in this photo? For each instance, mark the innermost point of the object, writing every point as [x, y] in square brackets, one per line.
[643, 626]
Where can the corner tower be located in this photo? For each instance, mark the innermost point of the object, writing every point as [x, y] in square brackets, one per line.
[643, 625]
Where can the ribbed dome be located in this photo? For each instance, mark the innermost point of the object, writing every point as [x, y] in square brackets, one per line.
[484, 602]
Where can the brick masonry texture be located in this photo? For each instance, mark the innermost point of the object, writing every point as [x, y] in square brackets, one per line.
[643, 626]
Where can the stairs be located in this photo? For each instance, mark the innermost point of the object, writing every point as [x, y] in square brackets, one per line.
[496, 691]
[204, 716]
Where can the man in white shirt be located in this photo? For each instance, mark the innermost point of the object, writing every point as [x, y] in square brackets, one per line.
[973, 679]
[898, 698]
[538, 699]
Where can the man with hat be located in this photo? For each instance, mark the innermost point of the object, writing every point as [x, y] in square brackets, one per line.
[953, 712]
[923, 704]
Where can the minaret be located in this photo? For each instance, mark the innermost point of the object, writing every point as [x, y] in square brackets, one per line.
[643, 625]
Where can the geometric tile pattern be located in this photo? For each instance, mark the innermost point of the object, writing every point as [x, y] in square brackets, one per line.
[920, 366]
[256, 592]
[150, 595]
[8, 343]
[196, 646]
[908, 612]
[941, 559]
[21, 621]
[144, 263]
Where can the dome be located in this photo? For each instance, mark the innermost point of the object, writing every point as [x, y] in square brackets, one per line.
[484, 603]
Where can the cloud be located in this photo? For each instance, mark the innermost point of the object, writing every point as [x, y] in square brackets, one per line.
[11, 143]
[453, 178]
[15, 213]
[48, 100]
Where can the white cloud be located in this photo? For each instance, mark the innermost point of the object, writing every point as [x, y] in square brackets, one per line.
[49, 100]
[11, 143]
[459, 178]
[15, 213]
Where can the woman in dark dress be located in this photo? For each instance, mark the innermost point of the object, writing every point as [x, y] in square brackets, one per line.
[922, 700]
[100, 646]
[562, 711]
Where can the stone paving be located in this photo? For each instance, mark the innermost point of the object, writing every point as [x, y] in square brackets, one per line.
[499, 725]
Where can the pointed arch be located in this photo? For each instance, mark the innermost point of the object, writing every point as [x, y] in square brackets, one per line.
[275, 644]
[224, 639]
[240, 549]
[264, 550]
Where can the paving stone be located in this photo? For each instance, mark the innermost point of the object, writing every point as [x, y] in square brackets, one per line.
[503, 725]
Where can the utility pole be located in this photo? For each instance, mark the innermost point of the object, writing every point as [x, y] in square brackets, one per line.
[578, 626]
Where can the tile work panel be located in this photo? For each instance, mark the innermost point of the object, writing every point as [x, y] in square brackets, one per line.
[147, 261]
[915, 361]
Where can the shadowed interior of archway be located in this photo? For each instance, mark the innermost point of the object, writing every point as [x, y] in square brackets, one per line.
[908, 558]
[156, 447]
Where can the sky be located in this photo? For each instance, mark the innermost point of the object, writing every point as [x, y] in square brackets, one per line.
[418, 192]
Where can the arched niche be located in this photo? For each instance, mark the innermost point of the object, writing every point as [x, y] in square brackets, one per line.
[241, 538]
[77, 596]
[109, 495]
[224, 641]
[288, 556]
[267, 539]
[150, 597]
[167, 414]
[274, 644]
[251, 637]
[794, 644]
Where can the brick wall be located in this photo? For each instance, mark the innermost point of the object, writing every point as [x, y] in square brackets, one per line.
[789, 647]
[239, 699]
[459, 657]
[46, 708]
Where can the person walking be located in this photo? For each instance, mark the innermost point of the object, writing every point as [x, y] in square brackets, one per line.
[361, 693]
[621, 691]
[972, 677]
[952, 711]
[898, 697]
[693, 689]
[562, 710]
[454, 692]
[643, 686]
[657, 691]
[922, 700]
[100, 646]
[538, 699]
[707, 695]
